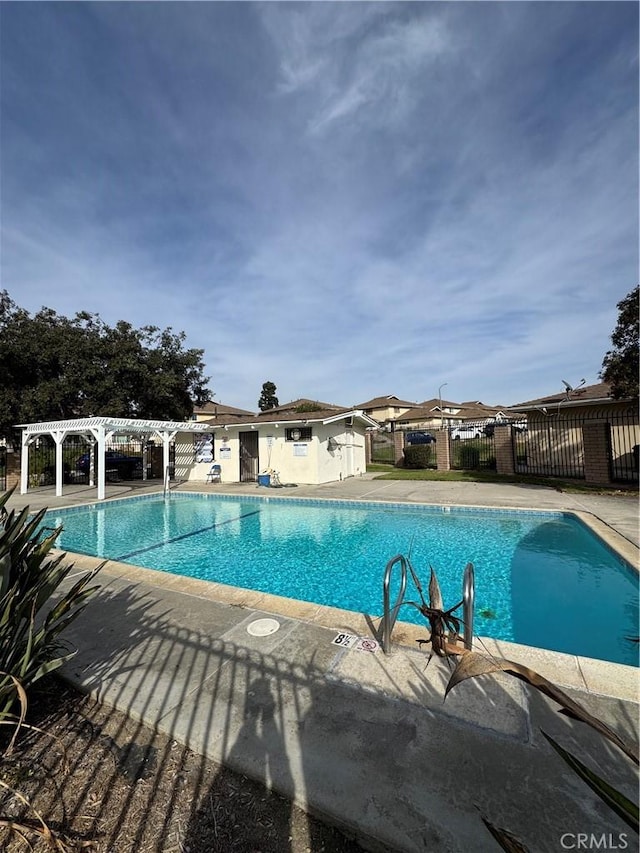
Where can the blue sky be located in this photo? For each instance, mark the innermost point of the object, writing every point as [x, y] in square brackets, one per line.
[347, 199]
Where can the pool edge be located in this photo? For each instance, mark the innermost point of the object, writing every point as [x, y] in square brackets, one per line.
[586, 675]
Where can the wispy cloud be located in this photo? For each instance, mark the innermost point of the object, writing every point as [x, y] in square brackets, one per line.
[346, 199]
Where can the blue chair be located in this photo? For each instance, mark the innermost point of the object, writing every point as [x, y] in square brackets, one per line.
[215, 474]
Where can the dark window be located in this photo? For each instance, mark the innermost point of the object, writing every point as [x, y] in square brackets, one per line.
[298, 434]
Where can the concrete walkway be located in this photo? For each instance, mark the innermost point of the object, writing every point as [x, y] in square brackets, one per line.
[362, 739]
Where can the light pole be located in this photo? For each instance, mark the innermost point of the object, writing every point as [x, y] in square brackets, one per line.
[440, 399]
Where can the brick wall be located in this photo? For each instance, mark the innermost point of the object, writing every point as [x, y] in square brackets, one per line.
[595, 437]
[443, 450]
[13, 468]
[503, 449]
[398, 447]
[368, 448]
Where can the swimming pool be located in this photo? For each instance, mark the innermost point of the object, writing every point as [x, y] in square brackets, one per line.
[542, 578]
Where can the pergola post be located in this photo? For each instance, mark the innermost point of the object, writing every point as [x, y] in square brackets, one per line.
[94, 432]
[102, 462]
[92, 463]
[165, 455]
[167, 437]
[24, 464]
[145, 452]
[58, 437]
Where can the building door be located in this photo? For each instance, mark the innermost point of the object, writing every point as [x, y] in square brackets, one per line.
[249, 456]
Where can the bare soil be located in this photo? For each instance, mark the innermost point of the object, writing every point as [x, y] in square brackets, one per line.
[103, 782]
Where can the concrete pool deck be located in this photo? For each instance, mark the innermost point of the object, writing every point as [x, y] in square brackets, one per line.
[361, 739]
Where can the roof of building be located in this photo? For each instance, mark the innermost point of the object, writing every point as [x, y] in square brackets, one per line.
[214, 408]
[435, 402]
[462, 412]
[384, 402]
[288, 417]
[294, 405]
[476, 413]
[598, 393]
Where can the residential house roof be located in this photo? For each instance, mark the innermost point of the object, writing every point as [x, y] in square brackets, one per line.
[473, 412]
[215, 409]
[434, 403]
[289, 417]
[384, 402]
[294, 405]
[586, 394]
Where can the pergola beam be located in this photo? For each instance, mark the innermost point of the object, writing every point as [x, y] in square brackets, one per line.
[100, 429]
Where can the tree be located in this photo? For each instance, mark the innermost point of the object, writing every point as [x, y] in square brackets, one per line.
[268, 399]
[55, 368]
[308, 407]
[621, 364]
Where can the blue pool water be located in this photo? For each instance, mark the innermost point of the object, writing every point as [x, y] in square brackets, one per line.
[542, 579]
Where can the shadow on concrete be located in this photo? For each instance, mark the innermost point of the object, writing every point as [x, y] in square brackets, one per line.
[364, 741]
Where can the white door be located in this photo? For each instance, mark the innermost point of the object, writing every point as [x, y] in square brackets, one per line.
[348, 454]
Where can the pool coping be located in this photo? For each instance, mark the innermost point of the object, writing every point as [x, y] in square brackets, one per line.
[587, 675]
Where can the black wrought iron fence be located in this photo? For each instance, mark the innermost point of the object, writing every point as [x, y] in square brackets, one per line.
[382, 447]
[624, 441]
[551, 447]
[42, 461]
[472, 446]
[123, 461]
[3, 468]
[552, 444]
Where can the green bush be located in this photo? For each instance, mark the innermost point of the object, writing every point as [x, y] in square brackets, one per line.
[417, 456]
[30, 621]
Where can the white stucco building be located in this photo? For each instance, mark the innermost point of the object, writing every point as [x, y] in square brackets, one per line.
[310, 447]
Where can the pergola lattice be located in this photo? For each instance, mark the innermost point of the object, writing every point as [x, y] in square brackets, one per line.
[100, 430]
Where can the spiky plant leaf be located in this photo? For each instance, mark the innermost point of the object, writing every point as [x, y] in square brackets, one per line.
[616, 800]
[473, 664]
[505, 839]
[435, 595]
[30, 620]
[17, 720]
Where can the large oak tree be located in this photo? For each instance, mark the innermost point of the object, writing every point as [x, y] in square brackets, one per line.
[54, 367]
[621, 364]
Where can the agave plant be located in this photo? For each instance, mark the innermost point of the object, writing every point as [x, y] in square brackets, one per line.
[444, 626]
[30, 621]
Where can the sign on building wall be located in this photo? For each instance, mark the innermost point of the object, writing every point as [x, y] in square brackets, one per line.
[203, 447]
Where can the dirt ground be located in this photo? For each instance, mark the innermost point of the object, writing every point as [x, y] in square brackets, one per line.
[105, 783]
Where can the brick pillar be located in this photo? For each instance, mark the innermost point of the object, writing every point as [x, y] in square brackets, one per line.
[503, 448]
[443, 450]
[398, 447]
[597, 452]
[368, 448]
[13, 468]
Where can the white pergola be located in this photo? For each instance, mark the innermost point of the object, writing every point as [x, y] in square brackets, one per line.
[100, 430]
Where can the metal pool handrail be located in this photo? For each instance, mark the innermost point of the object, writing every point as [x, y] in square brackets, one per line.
[468, 602]
[389, 616]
